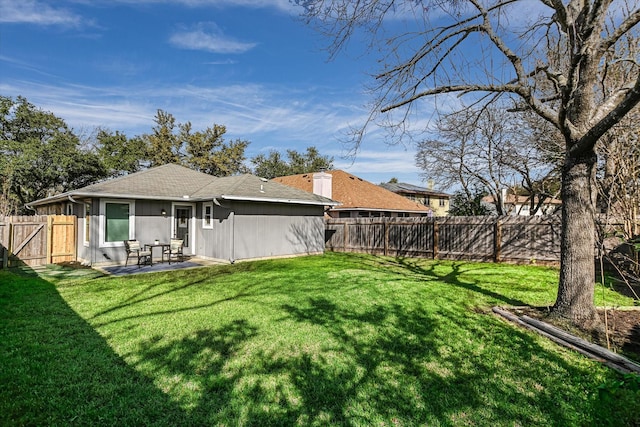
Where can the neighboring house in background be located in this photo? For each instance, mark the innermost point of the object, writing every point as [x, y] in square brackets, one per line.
[521, 205]
[230, 218]
[358, 198]
[437, 201]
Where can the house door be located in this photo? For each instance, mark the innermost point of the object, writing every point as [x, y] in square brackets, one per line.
[182, 225]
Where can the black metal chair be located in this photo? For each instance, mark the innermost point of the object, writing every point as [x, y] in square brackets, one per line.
[134, 249]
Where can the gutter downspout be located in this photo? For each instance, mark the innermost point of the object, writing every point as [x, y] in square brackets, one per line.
[232, 219]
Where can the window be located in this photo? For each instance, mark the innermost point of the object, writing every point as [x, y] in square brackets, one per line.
[116, 222]
[207, 216]
[87, 223]
[442, 203]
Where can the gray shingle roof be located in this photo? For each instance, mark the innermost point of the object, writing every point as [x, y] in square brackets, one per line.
[174, 182]
[403, 187]
[251, 187]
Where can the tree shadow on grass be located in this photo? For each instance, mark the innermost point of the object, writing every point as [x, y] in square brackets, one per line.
[375, 366]
[57, 370]
[387, 363]
[453, 278]
[410, 372]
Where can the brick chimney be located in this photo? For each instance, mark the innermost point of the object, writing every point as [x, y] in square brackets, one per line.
[322, 183]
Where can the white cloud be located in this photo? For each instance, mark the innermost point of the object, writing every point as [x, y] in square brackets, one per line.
[208, 36]
[283, 5]
[270, 117]
[38, 13]
[248, 111]
[278, 4]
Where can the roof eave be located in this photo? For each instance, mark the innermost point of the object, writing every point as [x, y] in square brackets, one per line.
[381, 209]
[279, 200]
[84, 195]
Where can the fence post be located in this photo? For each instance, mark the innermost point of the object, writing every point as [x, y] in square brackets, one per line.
[386, 236]
[75, 238]
[344, 238]
[436, 239]
[497, 240]
[3, 250]
[9, 249]
[49, 239]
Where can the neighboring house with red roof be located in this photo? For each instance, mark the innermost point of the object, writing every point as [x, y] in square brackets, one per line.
[358, 198]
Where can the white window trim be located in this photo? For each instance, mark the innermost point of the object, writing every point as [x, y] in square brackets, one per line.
[192, 223]
[204, 216]
[132, 221]
[87, 233]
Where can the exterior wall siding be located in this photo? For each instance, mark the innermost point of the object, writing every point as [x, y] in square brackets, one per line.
[149, 225]
[239, 230]
[259, 230]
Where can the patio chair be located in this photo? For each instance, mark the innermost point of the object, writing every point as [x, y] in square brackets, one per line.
[134, 249]
[175, 250]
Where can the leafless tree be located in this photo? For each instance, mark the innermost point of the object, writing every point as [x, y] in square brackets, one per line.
[547, 56]
[494, 150]
[619, 173]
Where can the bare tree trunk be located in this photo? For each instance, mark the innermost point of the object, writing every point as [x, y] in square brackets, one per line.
[577, 274]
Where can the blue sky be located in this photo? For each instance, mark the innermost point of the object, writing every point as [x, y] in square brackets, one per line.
[250, 65]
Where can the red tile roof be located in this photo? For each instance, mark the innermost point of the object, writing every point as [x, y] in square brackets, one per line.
[356, 193]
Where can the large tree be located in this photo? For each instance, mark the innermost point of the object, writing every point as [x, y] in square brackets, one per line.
[163, 144]
[205, 151]
[550, 57]
[39, 156]
[208, 152]
[119, 154]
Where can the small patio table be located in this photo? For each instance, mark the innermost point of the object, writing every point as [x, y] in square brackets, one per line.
[163, 246]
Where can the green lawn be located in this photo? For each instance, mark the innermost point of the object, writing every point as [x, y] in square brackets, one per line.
[339, 339]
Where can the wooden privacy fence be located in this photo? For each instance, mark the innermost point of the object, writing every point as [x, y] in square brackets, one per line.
[485, 238]
[37, 240]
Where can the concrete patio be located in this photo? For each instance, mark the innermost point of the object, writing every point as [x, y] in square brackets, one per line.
[121, 270]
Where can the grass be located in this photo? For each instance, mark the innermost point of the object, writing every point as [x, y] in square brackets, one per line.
[339, 339]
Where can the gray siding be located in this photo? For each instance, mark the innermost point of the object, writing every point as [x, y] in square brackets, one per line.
[240, 230]
[149, 226]
[258, 230]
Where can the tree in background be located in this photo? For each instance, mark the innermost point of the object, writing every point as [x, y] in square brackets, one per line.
[492, 150]
[468, 202]
[40, 156]
[163, 144]
[275, 165]
[207, 151]
[119, 154]
[554, 63]
[619, 173]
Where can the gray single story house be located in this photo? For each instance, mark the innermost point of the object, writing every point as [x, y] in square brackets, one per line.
[231, 218]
